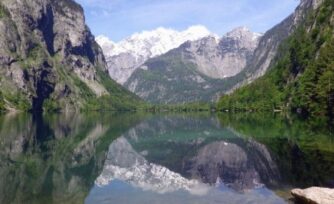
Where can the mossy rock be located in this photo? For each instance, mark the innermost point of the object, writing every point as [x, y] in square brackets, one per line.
[3, 11]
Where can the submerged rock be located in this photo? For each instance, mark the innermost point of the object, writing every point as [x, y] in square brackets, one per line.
[314, 195]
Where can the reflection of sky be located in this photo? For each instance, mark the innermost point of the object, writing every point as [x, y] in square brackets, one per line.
[120, 192]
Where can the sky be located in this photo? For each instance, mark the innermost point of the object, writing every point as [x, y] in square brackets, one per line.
[118, 19]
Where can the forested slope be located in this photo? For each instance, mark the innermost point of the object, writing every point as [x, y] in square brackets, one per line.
[302, 76]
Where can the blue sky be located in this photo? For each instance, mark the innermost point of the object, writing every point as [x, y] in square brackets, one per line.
[118, 19]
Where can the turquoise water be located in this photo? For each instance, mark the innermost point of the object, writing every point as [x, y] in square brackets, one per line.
[170, 158]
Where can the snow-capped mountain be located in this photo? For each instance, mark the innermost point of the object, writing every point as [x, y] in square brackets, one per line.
[196, 70]
[126, 56]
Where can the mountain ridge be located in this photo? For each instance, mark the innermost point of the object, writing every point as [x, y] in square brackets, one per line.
[193, 71]
[126, 56]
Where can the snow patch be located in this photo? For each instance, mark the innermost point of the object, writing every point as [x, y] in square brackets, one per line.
[143, 46]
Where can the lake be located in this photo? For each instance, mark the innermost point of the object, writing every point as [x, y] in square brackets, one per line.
[160, 158]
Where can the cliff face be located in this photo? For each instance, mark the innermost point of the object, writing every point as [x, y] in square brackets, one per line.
[48, 56]
[225, 57]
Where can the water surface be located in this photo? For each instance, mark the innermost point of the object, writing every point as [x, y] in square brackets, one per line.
[169, 158]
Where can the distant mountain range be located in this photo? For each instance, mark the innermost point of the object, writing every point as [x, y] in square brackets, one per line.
[196, 70]
[201, 66]
[127, 55]
[166, 66]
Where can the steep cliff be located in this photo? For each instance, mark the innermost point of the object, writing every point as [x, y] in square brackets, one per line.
[50, 60]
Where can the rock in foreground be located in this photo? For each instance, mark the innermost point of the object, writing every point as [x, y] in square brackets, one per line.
[314, 195]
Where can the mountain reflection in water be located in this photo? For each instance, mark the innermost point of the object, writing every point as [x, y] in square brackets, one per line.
[147, 158]
[184, 157]
[54, 158]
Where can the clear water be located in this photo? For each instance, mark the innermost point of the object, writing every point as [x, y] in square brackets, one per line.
[170, 158]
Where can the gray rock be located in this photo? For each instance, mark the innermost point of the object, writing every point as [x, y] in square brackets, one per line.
[314, 195]
[48, 52]
[225, 57]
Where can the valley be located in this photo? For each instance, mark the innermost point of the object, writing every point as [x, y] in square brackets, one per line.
[166, 101]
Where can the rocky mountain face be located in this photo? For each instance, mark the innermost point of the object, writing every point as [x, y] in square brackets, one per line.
[126, 56]
[225, 57]
[196, 70]
[48, 57]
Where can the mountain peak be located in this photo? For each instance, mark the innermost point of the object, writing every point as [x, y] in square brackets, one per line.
[241, 29]
[154, 42]
[144, 45]
[243, 32]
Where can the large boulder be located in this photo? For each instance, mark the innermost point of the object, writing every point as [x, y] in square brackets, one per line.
[314, 195]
